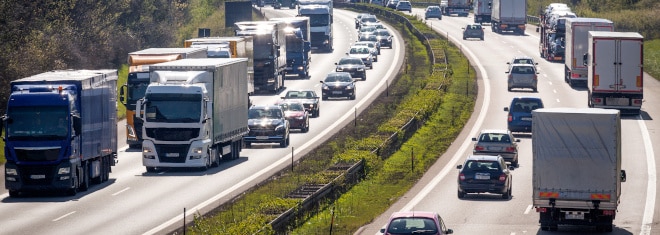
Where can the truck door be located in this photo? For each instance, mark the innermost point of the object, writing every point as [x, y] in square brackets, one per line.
[630, 66]
[604, 60]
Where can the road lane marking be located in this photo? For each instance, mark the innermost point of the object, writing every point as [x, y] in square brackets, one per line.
[62, 217]
[121, 191]
[649, 207]
[558, 101]
[529, 208]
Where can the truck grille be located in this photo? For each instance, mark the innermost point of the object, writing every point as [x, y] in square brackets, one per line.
[27, 173]
[172, 134]
[172, 153]
[37, 155]
[317, 38]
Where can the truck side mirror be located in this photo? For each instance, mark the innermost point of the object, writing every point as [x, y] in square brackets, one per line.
[585, 59]
[77, 124]
[623, 176]
[122, 94]
[139, 113]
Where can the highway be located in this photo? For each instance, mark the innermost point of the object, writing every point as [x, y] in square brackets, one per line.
[489, 214]
[136, 202]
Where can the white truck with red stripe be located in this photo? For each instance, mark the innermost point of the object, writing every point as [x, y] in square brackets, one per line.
[615, 62]
[576, 175]
[577, 32]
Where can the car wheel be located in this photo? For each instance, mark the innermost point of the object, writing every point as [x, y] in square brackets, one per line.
[151, 169]
[352, 97]
[482, 38]
[284, 142]
[324, 98]
[461, 194]
[534, 89]
[507, 194]
[364, 78]
[305, 129]
[509, 89]
[371, 66]
[464, 37]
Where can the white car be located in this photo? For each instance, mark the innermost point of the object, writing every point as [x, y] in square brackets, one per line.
[404, 6]
[363, 53]
[372, 48]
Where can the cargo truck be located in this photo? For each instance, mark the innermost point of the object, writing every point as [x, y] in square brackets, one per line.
[60, 131]
[576, 175]
[298, 47]
[509, 15]
[138, 80]
[228, 47]
[577, 33]
[320, 13]
[268, 46]
[194, 113]
[482, 11]
[458, 7]
[615, 65]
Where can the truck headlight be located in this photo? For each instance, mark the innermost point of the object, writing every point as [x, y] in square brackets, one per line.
[11, 171]
[197, 150]
[147, 149]
[64, 170]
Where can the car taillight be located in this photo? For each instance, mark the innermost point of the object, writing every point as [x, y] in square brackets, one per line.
[503, 177]
[608, 212]
[510, 149]
[541, 209]
[461, 176]
[535, 77]
[510, 118]
[479, 148]
[510, 76]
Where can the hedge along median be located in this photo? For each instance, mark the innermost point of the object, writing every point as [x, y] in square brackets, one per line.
[419, 116]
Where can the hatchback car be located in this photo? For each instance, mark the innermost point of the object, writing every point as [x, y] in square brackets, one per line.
[519, 117]
[368, 19]
[433, 12]
[484, 174]
[308, 98]
[352, 65]
[338, 84]
[363, 53]
[404, 5]
[415, 222]
[358, 17]
[295, 113]
[522, 76]
[371, 46]
[473, 31]
[371, 38]
[392, 3]
[497, 142]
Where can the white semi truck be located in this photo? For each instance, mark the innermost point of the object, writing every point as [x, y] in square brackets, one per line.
[577, 33]
[576, 175]
[320, 22]
[194, 113]
[509, 15]
[615, 66]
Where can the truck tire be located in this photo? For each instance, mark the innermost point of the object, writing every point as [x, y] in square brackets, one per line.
[215, 155]
[15, 193]
[151, 169]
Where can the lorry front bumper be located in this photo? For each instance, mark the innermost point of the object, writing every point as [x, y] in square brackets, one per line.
[173, 155]
[38, 178]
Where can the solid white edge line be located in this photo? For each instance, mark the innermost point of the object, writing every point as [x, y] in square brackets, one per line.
[121, 191]
[528, 209]
[649, 206]
[62, 217]
[191, 212]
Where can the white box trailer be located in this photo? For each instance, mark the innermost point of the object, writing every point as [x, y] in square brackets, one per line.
[577, 33]
[509, 15]
[576, 170]
[615, 64]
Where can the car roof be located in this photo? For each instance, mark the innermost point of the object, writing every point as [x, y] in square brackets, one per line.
[497, 131]
[418, 214]
[523, 65]
[526, 98]
[274, 106]
[483, 157]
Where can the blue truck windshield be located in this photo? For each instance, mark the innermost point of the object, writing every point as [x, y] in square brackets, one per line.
[294, 44]
[173, 108]
[37, 122]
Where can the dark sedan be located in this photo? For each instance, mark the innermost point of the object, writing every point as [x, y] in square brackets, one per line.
[384, 38]
[338, 84]
[308, 98]
[484, 174]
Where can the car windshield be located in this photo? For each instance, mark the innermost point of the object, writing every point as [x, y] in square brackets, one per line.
[433, 9]
[382, 33]
[368, 19]
[367, 29]
[495, 137]
[522, 70]
[337, 78]
[523, 61]
[359, 50]
[292, 107]
[264, 113]
[526, 105]
[347, 61]
[299, 94]
[473, 27]
[412, 225]
[482, 166]
[365, 44]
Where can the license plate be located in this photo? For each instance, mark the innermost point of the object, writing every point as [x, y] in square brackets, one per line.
[494, 148]
[574, 215]
[617, 101]
[172, 155]
[482, 176]
[526, 119]
[37, 177]
[336, 92]
[262, 137]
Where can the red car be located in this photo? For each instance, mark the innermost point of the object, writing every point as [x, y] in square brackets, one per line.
[415, 222]
[295, 113]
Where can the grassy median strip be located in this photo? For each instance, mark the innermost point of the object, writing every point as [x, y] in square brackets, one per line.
[440, 103]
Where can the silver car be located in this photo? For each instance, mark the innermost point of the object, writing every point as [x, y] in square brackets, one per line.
[497, 142]
[522, 76]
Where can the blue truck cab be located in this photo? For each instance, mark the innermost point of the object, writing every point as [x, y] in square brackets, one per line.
[60, 131]
[298, 46]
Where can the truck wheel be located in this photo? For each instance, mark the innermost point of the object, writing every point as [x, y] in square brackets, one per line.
[151, 169]
[84, 186]
[507, 194]
[215, 155]
[285, 142]
[14, 193]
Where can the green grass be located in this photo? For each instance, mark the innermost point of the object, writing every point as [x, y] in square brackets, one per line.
[652, 58]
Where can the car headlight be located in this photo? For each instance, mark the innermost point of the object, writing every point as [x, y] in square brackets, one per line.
[300, 117]
[360, 69]
[350, 87]
[339, 69]
[197, 150]
[280, 127]
[325, 87]
[11, 171]
[64, 170]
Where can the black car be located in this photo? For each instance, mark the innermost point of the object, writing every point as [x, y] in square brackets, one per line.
[473, 31]
[384, 38]
[308, 98]
[338, 84]
[484, 174]
[352, 65]
[267, 124]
